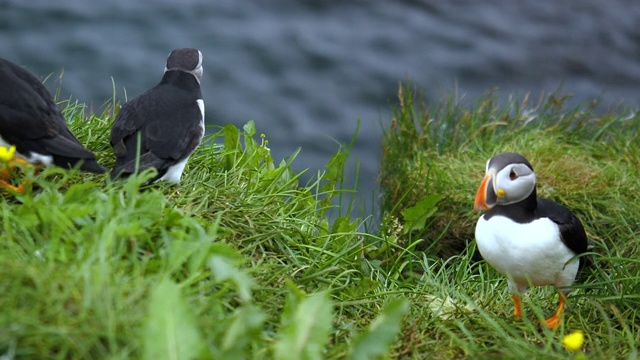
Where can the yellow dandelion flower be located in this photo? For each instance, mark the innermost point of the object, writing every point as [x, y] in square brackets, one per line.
[7, 153]
[574, 340]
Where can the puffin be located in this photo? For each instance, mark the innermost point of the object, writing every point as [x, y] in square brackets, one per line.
[530, 240]
[162, 127]
[32, 124]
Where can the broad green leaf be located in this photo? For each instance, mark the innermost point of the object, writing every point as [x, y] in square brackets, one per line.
[170, 330]
[343, 225]
[374, 342]
[231, 137]
[344, 231]
[245, 327]
[231, 145]
[335, 169]
[305, 330]
[416, 217]
[223, 270]
[250, 128]
[252, 155]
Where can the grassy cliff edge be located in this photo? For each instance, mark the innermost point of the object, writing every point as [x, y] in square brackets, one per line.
[242, 260]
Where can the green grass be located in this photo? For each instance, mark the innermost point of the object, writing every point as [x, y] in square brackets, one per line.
[242, 260]
[590, 162]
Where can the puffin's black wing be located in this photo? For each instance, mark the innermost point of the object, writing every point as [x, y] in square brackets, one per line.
[571, 230]
[171, 142]
[127, 123]
[169, 121]
[27, 110]
[30, 120]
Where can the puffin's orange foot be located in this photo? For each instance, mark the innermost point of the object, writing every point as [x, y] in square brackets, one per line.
[553, 322]
[6, 172]
[19, 189]
[17, 161]
[517, 306]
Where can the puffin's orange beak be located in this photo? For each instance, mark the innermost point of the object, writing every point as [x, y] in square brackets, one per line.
[485, 197]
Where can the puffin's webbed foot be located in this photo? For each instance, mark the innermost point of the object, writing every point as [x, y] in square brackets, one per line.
[7, 155]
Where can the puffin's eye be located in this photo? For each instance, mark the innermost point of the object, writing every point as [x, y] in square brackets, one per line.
[513, 175]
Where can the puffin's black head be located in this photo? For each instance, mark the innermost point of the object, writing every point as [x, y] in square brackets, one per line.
[186, 59]
[509, 178]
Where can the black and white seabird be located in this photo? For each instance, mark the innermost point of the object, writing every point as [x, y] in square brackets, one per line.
[530, 240]
[168, 120]
[31, 121]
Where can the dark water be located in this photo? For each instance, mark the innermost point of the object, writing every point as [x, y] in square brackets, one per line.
[306, 71]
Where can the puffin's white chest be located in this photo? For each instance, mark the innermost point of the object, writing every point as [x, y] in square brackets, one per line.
[526, 254]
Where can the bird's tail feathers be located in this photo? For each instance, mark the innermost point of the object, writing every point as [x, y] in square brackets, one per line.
[146, 161]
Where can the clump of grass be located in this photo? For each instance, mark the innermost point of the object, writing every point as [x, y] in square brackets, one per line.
[588, 162]
[581, 159]
[239, 261]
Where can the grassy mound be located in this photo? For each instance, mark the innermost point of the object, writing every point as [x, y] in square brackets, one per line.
[239, 261]
[433, 160]
[588, 162]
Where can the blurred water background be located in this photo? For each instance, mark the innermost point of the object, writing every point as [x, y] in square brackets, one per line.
[307, 70]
